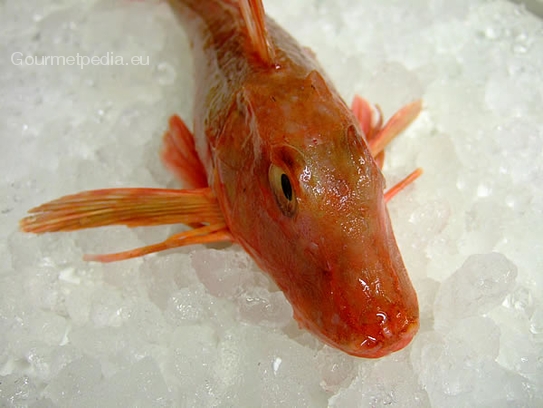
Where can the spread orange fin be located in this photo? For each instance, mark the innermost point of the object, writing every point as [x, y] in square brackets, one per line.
[378, 136]
[368, 115]
[134, 207]
[370, 118]
[395, 125]
[180, 156]
[254, 16]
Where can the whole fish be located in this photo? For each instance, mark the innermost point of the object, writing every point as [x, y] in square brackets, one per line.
[278, 163]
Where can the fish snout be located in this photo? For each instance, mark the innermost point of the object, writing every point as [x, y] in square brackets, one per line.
[379, 310]
[386, 337]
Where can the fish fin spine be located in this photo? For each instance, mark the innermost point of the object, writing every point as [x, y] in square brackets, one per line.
[252, 12]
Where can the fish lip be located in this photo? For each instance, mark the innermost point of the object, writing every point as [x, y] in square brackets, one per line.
[378, 349]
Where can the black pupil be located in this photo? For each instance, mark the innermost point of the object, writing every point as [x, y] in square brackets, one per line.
[287, 188]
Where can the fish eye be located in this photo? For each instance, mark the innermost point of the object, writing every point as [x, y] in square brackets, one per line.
[282, 189]
[287, 187]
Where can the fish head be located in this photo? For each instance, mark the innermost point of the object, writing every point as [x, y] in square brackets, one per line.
[352, 288]
[309, 207]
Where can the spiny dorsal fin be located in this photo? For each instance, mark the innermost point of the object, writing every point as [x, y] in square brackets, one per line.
[253, 14]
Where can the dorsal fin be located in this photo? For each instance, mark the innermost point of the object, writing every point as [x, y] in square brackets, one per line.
[254, 16]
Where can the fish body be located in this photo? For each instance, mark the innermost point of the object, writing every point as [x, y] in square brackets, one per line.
[330, 248]
[289, 173]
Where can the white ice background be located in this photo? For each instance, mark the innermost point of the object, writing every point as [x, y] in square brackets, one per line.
[203, 326]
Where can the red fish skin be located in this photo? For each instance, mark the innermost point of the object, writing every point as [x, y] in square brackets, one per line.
[333, 252]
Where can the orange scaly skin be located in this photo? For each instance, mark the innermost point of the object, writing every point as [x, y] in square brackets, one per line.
[335, 257]
[280, 165]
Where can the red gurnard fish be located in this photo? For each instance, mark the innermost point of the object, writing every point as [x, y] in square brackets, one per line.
[279, 164]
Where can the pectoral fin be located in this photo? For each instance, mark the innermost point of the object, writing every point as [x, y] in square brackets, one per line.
[395, 125]
[180, 156]
[134, 207]
[378, 136]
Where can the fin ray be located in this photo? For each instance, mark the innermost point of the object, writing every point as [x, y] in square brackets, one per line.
[202, 235]
[396, 188]
[254, 16]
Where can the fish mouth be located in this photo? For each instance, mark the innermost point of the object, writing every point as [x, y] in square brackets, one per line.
[372, 347]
